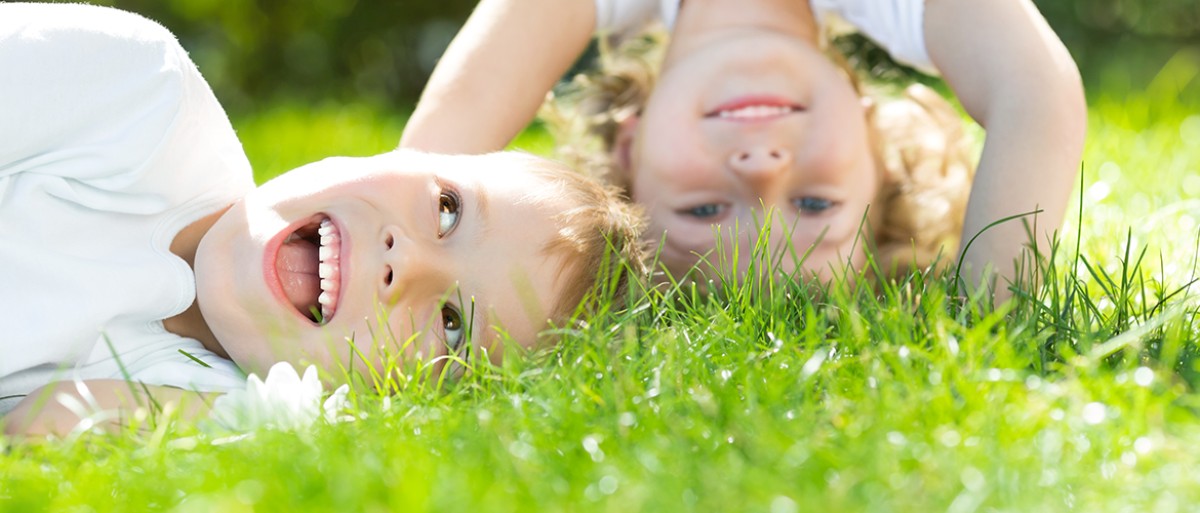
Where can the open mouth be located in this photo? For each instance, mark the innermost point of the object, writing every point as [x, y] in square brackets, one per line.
[308, 265]
[754, 108]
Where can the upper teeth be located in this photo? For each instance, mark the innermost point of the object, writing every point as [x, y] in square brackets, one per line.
[329, 269]
[755, 111]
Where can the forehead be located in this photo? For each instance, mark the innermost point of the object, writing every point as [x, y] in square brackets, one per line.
[499, 173]
[509, 265]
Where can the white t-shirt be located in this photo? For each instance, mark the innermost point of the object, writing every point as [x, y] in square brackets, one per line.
[897, 25]
[110, 143]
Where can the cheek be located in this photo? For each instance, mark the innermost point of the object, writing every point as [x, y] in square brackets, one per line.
[666, 151]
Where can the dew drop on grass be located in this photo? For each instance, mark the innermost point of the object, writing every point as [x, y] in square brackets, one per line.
[1098, 191]
[1049, 477]
[1094, 413]
[783, 504]
[1081, 443]
[1129, 458]
[950, 438]
[1033, 382]
[1109, 171]
[591, 444]
[814, 364]
[521, 450]
[1143, 376]
[1108, 469]
[1143, 445]
[608, 485]
[972, 479]
[627, 419]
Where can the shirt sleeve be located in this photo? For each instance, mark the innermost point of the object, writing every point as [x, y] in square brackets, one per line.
[104, 108]
[896, 25]
[189, 366]
[625, 17]
[102, 82]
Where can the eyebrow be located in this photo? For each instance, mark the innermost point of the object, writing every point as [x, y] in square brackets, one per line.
[482, 213]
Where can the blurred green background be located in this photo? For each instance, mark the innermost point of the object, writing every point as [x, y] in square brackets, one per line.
[380, 52]
[306, 79]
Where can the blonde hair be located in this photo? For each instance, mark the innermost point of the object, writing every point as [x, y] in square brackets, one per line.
[922, 153]
[599, 235]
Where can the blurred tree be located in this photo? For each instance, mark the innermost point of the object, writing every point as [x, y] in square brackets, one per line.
[251, 50]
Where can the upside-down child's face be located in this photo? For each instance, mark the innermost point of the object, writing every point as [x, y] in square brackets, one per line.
[744, 120]
[399, 253]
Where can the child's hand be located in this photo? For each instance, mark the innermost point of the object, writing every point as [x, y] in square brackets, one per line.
[1016, 79]
[496, 72]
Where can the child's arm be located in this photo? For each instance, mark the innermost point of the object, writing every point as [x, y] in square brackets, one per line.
[1017, 80]
[496, 72]
[42, 413]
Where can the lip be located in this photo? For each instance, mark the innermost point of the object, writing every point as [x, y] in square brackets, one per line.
[271, 254]
[767, 102]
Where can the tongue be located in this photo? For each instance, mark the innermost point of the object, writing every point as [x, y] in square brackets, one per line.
[297, 267]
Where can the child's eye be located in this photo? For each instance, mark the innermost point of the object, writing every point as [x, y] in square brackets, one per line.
[705, 211]
[448, 210]
[812, 205]
[452, 327]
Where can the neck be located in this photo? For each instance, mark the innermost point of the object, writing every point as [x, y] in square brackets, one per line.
[701, 19]
[190, 323]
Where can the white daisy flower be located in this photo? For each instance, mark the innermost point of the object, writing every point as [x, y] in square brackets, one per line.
[285, 401]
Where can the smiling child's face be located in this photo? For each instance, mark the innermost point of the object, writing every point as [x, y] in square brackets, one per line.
[745, 119]
[400, 253]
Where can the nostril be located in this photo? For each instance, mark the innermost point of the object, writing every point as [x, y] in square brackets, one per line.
[776, 155]
[742, 157]
[389, 241]
[387, 277]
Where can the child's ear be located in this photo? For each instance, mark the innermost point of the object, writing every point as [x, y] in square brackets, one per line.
[622, 148]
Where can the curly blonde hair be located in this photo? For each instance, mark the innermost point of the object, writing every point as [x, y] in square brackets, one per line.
[923, 154]
[599, 234]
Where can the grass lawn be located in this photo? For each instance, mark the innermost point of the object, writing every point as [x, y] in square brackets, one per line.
[779, 401]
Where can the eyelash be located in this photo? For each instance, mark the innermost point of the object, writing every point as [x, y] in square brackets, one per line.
[808, 210]
[449, 202]
[454, 333]
[694, 212]
[452, 321]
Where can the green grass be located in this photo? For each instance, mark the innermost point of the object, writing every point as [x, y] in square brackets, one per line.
[1083, 398]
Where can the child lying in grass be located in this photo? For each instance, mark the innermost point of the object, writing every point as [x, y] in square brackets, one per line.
[139, 258]
[749, 110]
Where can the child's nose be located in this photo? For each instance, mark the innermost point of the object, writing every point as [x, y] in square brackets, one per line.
[760, 163]
[403, 260]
